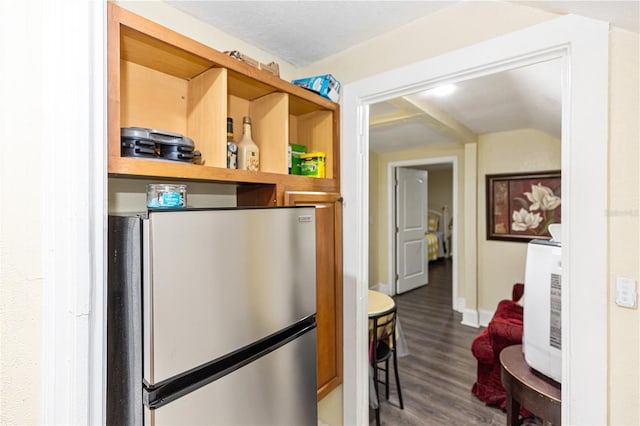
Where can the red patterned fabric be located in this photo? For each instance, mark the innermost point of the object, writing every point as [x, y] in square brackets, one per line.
[504, 329]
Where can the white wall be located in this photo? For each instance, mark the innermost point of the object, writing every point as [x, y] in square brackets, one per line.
[624, 250]
[21, 268]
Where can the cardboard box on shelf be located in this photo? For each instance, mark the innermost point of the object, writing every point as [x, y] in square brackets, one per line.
[325, 85]
[294, 153]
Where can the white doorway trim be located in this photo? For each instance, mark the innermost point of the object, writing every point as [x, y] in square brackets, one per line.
[391, 167]
[73, 386]
[582, 44]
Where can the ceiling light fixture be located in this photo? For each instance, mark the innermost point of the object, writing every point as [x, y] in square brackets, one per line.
[445, 90]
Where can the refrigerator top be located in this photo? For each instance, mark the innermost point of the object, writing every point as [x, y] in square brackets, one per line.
[145, 214]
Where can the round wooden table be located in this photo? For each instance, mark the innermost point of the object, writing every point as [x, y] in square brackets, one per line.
[536, 393]
[379, 302]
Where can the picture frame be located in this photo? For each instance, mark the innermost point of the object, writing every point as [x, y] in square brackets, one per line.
[521, 206]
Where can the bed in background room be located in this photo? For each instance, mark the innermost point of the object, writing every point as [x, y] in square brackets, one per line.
[437, 234]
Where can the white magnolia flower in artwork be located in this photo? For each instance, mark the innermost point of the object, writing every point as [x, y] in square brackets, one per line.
[524, 220]
[542, 197]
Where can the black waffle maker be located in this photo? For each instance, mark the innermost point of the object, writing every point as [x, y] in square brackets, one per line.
[142, 142]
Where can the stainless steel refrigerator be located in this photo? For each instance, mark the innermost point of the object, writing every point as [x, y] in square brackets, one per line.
[211, 317]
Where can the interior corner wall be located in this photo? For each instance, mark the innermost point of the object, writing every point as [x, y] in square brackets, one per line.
[501, 263]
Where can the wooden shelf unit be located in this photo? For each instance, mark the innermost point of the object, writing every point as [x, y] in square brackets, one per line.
[163, 80]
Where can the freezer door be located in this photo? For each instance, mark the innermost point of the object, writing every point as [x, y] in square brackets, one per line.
[277, 389]
[217, 280]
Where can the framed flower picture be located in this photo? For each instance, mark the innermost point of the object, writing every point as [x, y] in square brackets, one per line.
[521, 206]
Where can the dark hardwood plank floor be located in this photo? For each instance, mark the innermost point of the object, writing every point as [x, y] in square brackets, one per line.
[437, 375]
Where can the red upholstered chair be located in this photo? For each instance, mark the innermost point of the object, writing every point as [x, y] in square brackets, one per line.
[504, 329]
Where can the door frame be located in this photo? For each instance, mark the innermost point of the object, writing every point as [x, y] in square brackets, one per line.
[74, 321]
[391, 213]
[582, 45]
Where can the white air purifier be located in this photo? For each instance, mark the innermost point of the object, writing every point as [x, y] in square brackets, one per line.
[542, 338]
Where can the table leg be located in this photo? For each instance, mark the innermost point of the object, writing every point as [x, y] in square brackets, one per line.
[513, 411]
[375, 385]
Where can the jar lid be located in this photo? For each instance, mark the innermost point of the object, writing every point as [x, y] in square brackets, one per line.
[166, 186]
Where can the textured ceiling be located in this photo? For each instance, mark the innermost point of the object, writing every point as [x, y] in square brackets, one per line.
[522, 98]
[303, 32]
[528, 97]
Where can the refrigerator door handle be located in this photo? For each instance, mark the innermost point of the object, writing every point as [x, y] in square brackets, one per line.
[162, 393]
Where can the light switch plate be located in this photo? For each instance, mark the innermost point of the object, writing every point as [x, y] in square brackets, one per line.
[626, 294]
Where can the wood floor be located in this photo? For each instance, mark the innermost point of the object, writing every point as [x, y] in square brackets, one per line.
[437, 375]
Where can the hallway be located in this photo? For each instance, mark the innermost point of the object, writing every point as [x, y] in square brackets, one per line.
[436, 377]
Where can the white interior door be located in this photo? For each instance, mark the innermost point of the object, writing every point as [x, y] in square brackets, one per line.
[411, 225]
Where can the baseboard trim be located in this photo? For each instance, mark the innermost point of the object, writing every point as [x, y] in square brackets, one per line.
[470, 318]
[382, 288]
[485, 317]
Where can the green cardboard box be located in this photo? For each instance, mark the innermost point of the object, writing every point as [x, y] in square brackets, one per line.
[295, 151]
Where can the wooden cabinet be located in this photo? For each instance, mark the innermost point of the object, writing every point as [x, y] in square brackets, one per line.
[160, 79]
[163, 80]
[328, 283]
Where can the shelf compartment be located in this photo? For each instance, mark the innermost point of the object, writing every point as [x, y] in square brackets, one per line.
[269, 129]
[315, 131]
[152, 99]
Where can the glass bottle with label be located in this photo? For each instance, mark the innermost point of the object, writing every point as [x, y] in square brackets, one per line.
[248, 151]
[232, 147]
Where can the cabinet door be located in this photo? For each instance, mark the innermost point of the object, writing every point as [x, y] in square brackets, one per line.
[328, 283]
